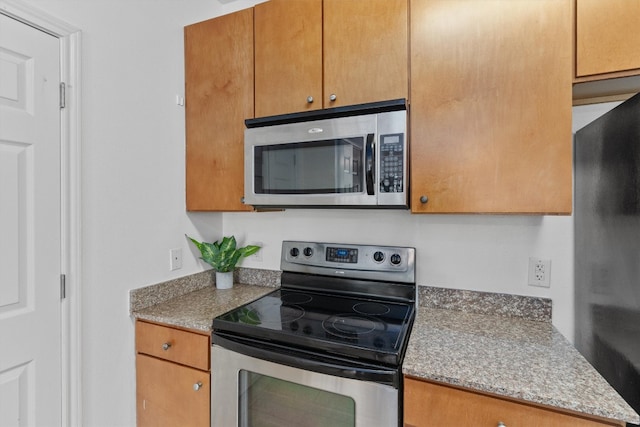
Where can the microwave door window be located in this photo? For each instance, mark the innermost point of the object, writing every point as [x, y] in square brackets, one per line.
[317, 167]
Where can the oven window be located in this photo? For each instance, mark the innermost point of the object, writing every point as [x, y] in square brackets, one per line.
[315, 167]
[271, 402]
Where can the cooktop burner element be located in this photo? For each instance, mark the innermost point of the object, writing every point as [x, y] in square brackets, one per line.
[372, 308]
[274, 315]
[296, 298]
[353, 301]
[351, 325]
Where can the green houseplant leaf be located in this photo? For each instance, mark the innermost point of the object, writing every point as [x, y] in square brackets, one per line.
[224, 255]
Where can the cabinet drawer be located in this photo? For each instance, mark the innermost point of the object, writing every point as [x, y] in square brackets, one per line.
[186, 348]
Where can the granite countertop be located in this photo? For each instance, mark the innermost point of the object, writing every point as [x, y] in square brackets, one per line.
[495, 343]
[512, 357]
[196, 309]
[193, 301]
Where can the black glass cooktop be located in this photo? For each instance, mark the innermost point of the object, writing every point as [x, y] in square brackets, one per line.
[355, 327]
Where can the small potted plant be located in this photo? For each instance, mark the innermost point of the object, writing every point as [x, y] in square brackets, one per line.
[223, 257]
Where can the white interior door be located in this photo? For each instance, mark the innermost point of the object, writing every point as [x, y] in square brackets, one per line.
[30, 227]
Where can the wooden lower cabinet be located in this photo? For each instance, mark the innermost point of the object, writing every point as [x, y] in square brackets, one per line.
[170, 393]
[431, 404]
[167, 394]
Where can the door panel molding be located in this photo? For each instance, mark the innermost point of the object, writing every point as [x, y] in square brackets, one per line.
[70, 47]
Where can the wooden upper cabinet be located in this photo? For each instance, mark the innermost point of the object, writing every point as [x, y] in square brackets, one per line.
[365, 51]
[219, 97]
[607, 37]
[288, 56]
[491, 106]
[307, 50]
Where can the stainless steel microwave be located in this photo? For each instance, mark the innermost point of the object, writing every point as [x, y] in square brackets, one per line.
[344, 157]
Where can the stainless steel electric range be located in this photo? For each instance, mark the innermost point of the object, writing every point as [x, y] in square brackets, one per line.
[325, 349]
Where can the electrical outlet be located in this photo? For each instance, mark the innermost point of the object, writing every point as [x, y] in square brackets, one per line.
[539, 272]
[175, 259]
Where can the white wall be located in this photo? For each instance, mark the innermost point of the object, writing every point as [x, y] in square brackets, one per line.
[133, 199]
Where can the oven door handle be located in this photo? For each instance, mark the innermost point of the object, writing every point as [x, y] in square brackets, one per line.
[306, 360]
[370, 159]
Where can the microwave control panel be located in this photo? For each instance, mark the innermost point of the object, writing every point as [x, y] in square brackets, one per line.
[392, 163]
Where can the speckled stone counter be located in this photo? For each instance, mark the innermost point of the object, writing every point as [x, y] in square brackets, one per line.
[193, 301]
[197, 309]
[512, 357]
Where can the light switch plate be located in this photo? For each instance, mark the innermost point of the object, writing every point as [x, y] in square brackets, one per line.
[175, 261]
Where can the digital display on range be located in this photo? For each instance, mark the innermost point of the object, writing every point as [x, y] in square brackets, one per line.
[344, 255]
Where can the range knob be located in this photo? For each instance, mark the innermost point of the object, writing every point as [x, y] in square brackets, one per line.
[396, 259]
[378, 256]
[294, 252]
[307, 251]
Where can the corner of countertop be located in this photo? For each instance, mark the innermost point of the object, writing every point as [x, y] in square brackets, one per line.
[499, 304]
[158, 293]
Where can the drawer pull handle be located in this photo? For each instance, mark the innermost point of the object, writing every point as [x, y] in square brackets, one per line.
[197, 386]
[332, 97]
[501, 424]
[310, 99]
[166, 346]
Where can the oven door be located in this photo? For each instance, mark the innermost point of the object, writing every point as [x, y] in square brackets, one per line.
[248, 391]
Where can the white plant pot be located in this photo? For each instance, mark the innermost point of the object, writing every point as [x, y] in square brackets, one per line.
[224, 280]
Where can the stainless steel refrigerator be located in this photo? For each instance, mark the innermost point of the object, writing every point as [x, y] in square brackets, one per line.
[607, 247]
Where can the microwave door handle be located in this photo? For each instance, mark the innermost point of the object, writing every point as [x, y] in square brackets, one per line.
[370, 159]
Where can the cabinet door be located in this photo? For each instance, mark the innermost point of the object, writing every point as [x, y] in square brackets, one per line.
[219, 97]
[171, 395]
[607, 36]
[491, 106]
[288, 56]
[365, 51]
[427, 404]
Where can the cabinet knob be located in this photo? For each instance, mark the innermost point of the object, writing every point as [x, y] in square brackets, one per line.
[197, 386]
[166, 346]
[501, 424]
[332, 97]
[309, 99]
[424, 199]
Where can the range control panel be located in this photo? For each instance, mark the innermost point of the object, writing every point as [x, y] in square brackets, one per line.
[349, 259]
[348, 255]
